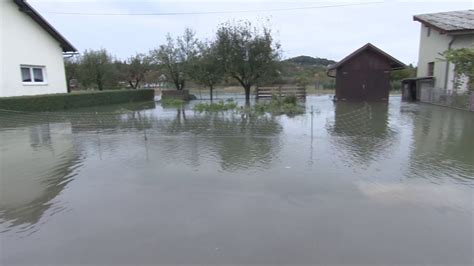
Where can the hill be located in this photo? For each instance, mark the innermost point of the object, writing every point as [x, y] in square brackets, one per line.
[306, 70]
[304, 60]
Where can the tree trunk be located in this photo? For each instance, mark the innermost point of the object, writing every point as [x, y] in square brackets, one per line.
[247, 94]
[99, 84]
[68, 84]
[99, 81]
[210, 91]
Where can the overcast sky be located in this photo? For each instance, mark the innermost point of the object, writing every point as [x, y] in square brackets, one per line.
[330, 32]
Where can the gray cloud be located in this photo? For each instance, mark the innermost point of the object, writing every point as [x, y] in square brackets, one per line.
[330, 32]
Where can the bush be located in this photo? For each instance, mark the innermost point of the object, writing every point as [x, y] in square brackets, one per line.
[287, 105]
[172, 102]
[51, 102]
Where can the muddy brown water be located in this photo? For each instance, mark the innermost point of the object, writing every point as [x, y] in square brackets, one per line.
[142, 184]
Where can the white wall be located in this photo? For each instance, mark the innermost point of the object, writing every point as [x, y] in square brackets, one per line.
[430, 49]
[463, 41]
[24, 42]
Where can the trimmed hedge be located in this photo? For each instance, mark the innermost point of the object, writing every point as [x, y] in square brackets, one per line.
[51, 102]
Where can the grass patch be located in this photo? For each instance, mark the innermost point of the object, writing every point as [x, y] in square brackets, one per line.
[278, 106]
[62, 101]
[172, 102]
[288, 105]
[221, 106]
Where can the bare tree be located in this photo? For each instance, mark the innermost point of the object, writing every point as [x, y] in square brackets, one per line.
[175, 57]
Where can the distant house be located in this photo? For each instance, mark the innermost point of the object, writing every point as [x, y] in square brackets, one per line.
[364, 75]
[440, 32]
[31, 52]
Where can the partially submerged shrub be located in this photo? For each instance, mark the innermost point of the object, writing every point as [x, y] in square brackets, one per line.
[279, 105]
[215, 107]
[172, 102]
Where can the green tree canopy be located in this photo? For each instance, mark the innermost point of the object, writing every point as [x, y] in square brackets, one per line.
[206, 69]
[97, 69]
[463, 60]
[134, 70]
[247, 54]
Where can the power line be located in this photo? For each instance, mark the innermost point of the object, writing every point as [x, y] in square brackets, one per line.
[209, 12]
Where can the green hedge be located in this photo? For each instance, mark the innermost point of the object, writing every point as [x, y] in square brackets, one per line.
[50, 102]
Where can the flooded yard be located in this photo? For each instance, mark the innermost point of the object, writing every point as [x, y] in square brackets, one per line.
[142, 184]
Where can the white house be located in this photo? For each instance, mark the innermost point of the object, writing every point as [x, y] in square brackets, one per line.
[440, 32]
[31, 52]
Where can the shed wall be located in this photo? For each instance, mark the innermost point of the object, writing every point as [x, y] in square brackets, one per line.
[366, 76]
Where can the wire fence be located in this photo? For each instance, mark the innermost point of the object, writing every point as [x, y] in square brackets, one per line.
[453, 99]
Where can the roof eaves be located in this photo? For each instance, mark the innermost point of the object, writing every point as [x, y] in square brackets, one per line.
[399, 64]
[30, 11]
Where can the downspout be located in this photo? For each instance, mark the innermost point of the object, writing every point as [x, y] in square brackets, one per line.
[446, 74]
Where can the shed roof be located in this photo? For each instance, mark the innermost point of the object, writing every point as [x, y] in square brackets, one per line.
[394, 63]
[454, 22]
[30, 11]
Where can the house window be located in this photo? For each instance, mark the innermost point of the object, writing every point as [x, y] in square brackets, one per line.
[431, 66]
[428, 32]
[33, 75]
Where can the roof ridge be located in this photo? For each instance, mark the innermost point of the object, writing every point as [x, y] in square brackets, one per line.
[364, 47]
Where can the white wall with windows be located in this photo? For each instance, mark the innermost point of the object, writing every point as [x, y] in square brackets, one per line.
[31, 60]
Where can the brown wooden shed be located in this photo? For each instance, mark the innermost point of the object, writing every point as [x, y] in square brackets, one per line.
[364, 75]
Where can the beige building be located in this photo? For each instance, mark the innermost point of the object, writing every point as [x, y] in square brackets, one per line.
[440, 32]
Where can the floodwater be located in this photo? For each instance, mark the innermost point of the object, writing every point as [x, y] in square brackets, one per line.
[142, 184]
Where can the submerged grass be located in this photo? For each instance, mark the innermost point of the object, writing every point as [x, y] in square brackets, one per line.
[170, 102]
[287, 105]
[278, 106]
[220, 106]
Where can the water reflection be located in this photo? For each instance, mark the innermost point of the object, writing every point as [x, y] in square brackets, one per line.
[40, 153]
[361, 131]
[443, 144]
[171, 182]
[36, 166]
[237, 142]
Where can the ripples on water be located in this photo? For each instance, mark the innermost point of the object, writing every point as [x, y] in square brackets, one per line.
[61, 168]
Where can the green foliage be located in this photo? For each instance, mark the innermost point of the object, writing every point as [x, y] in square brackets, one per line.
[278, 105]
[172, 102]
[71, 65]
[134, 70]
[97, 70]
[221, 106]
[74, 100]
[397, 76]
[463, 60]
[176, 56]
[304, 75]
[303, 80]
[247, 54]
[206, 69]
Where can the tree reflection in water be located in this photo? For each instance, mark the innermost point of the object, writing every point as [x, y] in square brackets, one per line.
[238, 141]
